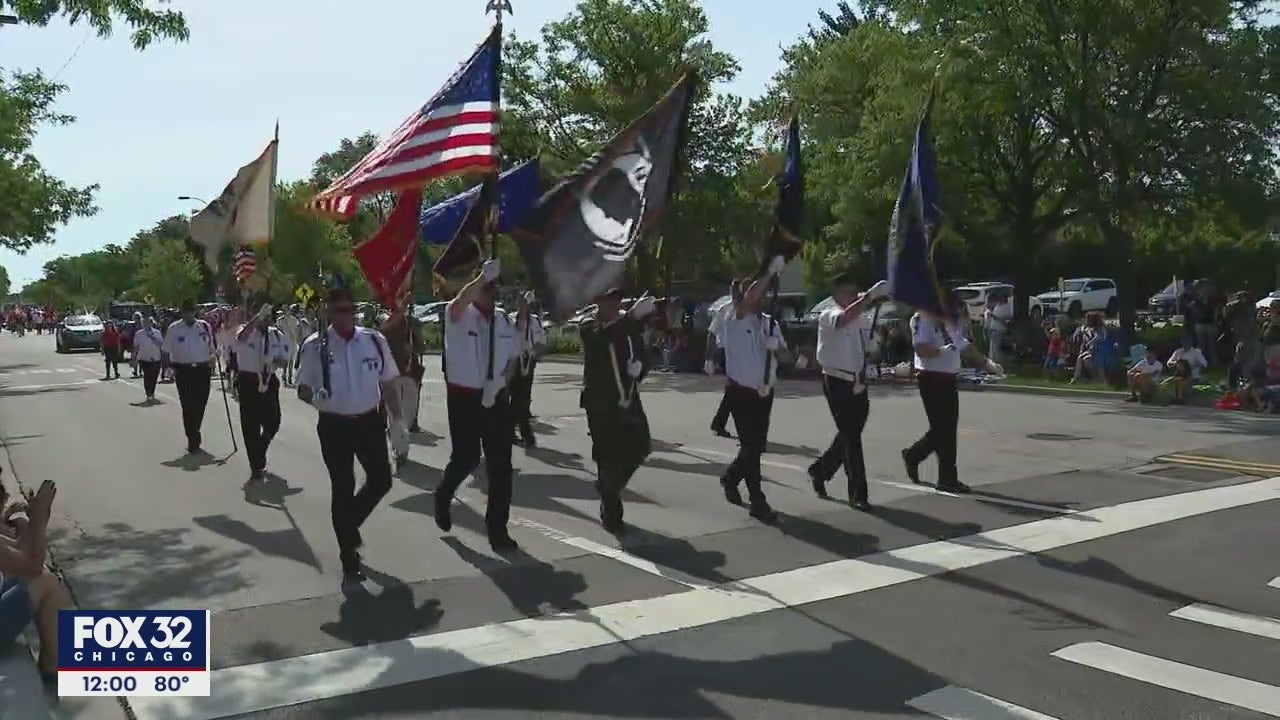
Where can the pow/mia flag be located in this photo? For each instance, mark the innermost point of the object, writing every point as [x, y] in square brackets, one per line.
[577, 238]
[466, 251]
[913, 231]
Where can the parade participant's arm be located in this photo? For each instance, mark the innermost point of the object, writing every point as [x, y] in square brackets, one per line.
[539, 336]
[459, 304]
[874, 294]
[280, 350]
[25, 556]
[389, 370]
[309, 378]
[925, 339]
[961, 344]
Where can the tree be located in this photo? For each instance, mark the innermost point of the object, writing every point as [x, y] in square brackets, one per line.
[37, 203]
[4, 282]
[169, 273]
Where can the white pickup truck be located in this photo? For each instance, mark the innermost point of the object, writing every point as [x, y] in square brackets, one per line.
[1076, 297]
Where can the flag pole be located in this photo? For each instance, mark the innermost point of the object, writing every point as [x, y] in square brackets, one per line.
[497, 7]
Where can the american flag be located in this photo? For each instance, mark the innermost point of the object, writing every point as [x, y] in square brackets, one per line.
[243, 264]
[456, 132]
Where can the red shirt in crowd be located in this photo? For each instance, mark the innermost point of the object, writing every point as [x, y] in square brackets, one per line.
[111, 337]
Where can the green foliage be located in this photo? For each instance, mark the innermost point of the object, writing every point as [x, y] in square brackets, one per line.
[4, 282]
[146, 25]
[169, 273]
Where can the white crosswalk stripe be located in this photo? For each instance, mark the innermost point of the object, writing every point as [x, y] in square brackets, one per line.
[957, 703]
[1188, 679]
[1275, 583]
[1259, 625]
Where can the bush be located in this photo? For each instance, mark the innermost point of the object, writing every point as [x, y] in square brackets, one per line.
[560, 340]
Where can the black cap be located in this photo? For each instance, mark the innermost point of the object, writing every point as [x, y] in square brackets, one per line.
[340, 293]
[188, 305]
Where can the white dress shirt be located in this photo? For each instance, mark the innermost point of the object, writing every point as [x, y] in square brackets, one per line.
[746, 346]
[189, 344]
[842, 349]
[718, 320]
[927, 331]
[528, 335]
[252, 356]
[357, 369]
[466, 348]
[148, 345]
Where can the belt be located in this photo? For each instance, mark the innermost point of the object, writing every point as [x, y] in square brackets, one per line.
[203, 363]
[344, 416]
[839, 374]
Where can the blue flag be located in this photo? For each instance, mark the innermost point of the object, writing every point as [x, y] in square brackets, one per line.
[519, 188]
[917, 218]
[784, 238]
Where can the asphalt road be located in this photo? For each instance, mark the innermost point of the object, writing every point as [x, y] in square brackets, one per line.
[1115, 561]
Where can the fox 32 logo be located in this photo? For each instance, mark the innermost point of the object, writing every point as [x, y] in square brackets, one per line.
[133, 640]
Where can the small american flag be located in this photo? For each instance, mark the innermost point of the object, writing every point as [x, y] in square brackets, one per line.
[243, 264]
[456, 132]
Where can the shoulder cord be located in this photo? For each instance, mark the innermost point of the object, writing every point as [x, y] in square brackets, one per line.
[767, 383]
[526, 357]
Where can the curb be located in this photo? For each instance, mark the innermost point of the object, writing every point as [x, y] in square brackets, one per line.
[1037, 390]
[565, 359]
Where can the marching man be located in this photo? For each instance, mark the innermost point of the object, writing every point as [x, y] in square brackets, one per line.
[406, 348]
[189, 344]
[344, 373]
[479, 406]
[291, 328]
[148, 351]
[614, 362]
[750, 340]
[260, 349]
[530, 342]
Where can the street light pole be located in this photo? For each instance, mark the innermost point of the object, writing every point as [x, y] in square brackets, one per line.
[8, 19]
[192, 198]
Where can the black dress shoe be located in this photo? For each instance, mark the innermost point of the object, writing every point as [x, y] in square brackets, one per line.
[913, 468]
[819, 484]
[862, 505]
[503, 543]
[763, 513]
[444, 520]
[720, 432]
[731, 492]
[954, 486]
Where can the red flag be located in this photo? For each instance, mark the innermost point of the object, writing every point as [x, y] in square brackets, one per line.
[387, 258]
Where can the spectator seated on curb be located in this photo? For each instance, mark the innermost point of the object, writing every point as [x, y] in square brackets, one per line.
[28, 590]
[1144, 378]
[1089, 341]
[1187, 365]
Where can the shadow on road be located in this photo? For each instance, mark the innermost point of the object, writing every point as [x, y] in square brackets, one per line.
[191, 462]
[534, 588]
[40, 390]
[118, 566]
[392, 613]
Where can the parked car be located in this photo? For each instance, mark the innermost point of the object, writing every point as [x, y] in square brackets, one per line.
[976, 295]
[1265, 302]
[432, 312]
[1165, 302]
[79, 332]
[1077, 297]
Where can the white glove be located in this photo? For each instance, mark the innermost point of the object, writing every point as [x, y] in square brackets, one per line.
[709, 367]
[777, 265]
[634, 368]
[489, 395]
[958, 337]
[879, 290]
[491, 270]
[643, 307]
[994, 368]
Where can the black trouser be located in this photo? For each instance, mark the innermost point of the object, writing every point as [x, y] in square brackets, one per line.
[150, 374]
[522, 400]
[259, 417]
[849, 409]
[192, 381]
[750, 414]
[721, 418]
[941, 401]
[344, 439]
[111, 358]
[473, 428]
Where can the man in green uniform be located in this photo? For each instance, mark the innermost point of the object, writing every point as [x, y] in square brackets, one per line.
[614, 361]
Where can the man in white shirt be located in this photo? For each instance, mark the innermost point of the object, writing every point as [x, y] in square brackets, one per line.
[291, 328]
[261, 350]
[715, 356]
[939, 345]
[750, 340]
[844, 332]
[1187, 364]
[530, 342]
[344, 374]
[996, 319]
[1144, 377]
[479, 355]
[148, 350]
[189, 344]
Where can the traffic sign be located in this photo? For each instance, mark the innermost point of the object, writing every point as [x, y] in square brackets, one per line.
[150, 299]
[304, 293]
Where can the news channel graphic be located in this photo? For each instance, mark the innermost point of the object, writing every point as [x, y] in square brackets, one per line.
[133, 653]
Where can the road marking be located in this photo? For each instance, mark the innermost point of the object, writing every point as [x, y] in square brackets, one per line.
[244, 689]
[1259, 625]
[1252, 468]
[1275, 583]
[1188, 679]
[612, 553]
[911, 487]
[49, 386]
[957, 703]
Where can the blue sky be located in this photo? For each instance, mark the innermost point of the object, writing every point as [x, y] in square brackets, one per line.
[180, 119]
